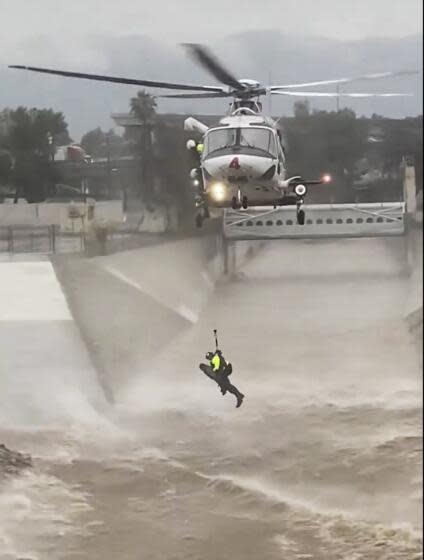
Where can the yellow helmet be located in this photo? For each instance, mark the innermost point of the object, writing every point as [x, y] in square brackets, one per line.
[199, 148]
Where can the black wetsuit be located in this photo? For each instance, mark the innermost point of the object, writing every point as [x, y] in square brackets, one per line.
[221, 378]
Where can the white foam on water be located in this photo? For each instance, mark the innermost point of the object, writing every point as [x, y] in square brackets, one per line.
[40, 397]
[356, 540]
[276, 495]
[35, 508]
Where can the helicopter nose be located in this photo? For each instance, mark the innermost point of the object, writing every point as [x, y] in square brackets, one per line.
[234, 167]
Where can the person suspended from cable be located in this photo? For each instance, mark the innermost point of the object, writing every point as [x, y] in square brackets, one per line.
[219, 370]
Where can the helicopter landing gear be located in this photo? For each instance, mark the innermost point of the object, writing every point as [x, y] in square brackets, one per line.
[301, 217]
[199, 220]
[203, 210]
[300, 213]
[236, 200]
[201, 216]
[239, 201]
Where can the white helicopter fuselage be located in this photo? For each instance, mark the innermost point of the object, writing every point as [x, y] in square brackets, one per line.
[243, 159]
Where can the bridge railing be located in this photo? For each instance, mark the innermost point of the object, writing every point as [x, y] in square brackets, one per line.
[322, 221]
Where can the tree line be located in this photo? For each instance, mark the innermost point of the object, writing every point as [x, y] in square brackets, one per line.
[27, 137]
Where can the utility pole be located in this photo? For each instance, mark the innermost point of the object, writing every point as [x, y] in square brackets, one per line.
[109, 172]
[338, 99]
[147, 171]
[51, 147]
[50, 156]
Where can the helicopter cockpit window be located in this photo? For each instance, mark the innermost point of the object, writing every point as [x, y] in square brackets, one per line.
[219, 139]
[259, 138]
[244, 137]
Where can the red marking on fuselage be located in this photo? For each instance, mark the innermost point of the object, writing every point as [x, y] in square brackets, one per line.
[234, 164]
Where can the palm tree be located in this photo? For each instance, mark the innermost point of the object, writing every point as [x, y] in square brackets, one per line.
[143, 108]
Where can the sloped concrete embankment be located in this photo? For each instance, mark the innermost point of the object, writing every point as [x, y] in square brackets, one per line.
[46, 375]
[414, 306]
[130, 305]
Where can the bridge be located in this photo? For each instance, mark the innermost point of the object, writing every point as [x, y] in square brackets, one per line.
[382, 219]
[322, 220]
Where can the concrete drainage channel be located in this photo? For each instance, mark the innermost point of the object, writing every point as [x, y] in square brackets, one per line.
[414, 307]
[337, 304]
[130, 305]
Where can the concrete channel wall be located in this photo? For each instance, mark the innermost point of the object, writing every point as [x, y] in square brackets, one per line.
[68, 216]
[414, 305]
[46, 375]
[131, 304]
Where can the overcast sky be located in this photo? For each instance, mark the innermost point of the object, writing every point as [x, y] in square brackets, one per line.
[137, 38]
[76, 21]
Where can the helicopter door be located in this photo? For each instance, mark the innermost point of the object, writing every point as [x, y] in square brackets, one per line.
[281, 156]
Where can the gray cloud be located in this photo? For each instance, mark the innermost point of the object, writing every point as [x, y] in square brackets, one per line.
[293, 40]
[70, 23]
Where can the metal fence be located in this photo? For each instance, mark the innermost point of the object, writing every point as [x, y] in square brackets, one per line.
[40, 239]
[53, 240]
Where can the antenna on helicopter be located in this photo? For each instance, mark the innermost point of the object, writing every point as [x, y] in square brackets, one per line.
[269, 95]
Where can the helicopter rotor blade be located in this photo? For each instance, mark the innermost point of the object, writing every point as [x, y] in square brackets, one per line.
[209, 61]
[335, 94]
[375, 76]
[118, 80]
[212, 95]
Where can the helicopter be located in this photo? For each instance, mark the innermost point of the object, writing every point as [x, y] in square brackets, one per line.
[242, 161]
